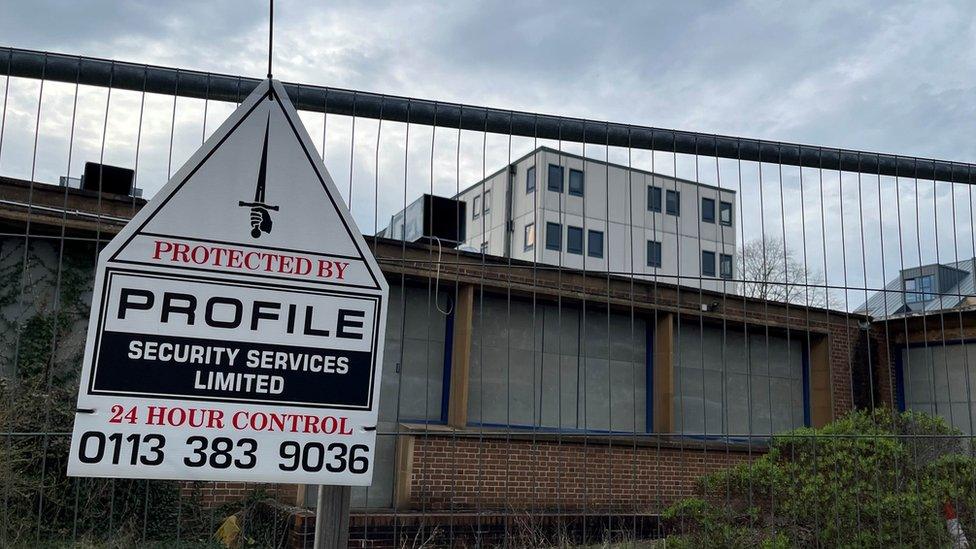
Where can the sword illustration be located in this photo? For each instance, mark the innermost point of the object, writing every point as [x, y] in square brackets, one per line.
[260, 216]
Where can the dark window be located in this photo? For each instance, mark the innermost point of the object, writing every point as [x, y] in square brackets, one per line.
[919, 289]
[653, 198]
[653, 253]
[674, 203]
[476, 207]
[594, 244]
[725, 266]
[529, 236]
[708, 210]
[575, 182]
[554, 236]
[708, 263]
[530, 179]
[725, 213]
[574, 240]
[555, 178]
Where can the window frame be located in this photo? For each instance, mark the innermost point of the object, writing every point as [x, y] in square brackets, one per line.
[530, 180]
[570, 231]
[582, 182]
[724, 259]
[549, 178]
[654, 244]
[710, 202]
[557, 229]
[486, 202]
[710, 263]
[589, 243]
[526, 246]
[677, 202]
[476, 207]
[724, 206]
[654, 195]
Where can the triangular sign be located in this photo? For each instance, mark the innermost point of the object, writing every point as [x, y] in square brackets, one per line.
[241, 305]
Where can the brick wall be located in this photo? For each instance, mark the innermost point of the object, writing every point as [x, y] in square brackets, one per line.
[215, 494]
[567, 476]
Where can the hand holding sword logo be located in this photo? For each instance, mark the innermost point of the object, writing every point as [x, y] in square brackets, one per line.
[260, 211]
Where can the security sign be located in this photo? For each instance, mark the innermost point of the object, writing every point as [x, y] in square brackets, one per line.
[238, 321]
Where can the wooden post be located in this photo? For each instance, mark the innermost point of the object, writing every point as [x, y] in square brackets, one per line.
[663, 374]
[404, 472]
[457, 407]
[821, 411]
[332, 517]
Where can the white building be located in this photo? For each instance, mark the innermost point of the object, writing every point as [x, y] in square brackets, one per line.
[565, 210]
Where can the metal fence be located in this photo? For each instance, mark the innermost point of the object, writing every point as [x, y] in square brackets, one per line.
[642, 333]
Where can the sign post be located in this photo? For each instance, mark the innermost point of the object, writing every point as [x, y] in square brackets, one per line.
[237, 321]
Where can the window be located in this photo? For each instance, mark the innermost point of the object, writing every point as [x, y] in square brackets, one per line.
[555, 182]
[725, 213]
[529, 388]
[487, 201]
[594, 244]
[674, 203]
[707, 210]
[725, 266]
[653, 198]
[575, 182]
[554, 236]
[919, 289]
[476, 207]
[574, 240]
[653, 253]
[755, 387]
[708, 263]
[529, 236]
[530, 180]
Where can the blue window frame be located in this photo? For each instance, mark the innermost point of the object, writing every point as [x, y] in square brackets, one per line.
[554, 236]
[575, 182]
[574, 240]
[708, 210]
[653, 198]
[653, 253]
[673, 203]
[555, 180]
[530, 180]
[707, 263]
[594, 244]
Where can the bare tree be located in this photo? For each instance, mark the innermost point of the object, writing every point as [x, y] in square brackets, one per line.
[769, 270]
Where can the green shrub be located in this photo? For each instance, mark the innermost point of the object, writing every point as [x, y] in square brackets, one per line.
[869, 479]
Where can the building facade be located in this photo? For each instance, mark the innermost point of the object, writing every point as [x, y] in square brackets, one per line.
[507, 389]
[565, 210]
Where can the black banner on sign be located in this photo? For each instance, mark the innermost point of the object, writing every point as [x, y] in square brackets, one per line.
[207, 369]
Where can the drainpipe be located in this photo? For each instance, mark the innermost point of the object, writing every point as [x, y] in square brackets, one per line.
[509, 222]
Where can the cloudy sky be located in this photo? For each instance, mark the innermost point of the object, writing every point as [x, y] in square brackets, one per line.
[885, 76]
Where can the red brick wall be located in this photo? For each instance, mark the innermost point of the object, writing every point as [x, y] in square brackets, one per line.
[568, 476]
[215, 494]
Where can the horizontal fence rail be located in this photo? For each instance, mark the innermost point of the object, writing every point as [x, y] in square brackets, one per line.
[223, 87]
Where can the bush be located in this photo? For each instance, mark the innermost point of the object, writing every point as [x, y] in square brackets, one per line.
[870, 479]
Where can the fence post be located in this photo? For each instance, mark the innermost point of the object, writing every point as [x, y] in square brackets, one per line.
[332, 517]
